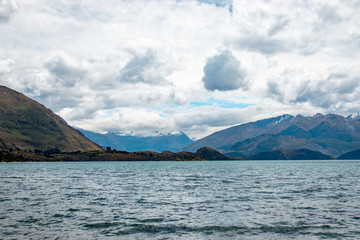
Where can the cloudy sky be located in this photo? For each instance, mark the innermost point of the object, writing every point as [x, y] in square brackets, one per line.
[196, 66]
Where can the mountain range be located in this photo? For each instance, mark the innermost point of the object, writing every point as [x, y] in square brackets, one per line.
[132, 143]
[329, 134]
[27, 125]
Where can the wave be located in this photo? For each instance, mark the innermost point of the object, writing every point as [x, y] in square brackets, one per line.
[148, 227]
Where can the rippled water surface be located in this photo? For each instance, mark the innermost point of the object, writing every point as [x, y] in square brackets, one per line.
[180, 200]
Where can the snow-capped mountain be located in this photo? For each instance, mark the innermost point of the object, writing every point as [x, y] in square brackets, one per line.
[355, 116]
[330, 134]
[133, 142]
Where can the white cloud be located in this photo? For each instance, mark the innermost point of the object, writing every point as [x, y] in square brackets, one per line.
[6, 66]
[132, 65]
[263, 44]
[332, 90]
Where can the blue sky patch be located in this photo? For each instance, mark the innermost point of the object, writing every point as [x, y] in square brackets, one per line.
[220, 103]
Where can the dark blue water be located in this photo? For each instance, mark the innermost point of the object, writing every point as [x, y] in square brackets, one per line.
[180, 200]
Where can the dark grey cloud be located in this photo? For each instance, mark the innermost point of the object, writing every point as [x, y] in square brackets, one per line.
[223, 72]
[8, 8]
[66, 71]
[143, 68]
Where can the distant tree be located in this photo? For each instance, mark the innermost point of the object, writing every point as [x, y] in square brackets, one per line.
[50, 151]
[37, 151]
[108, 149]
[20, 158]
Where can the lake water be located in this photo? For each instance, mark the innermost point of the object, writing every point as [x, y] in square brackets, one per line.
[180, 200]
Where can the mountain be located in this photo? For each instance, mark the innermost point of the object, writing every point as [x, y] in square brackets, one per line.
[300, 154]
[354, 116]
[350, 155]
[230, 136]
[27, 125]
[270, 142]
[133, 143]
[330, 134]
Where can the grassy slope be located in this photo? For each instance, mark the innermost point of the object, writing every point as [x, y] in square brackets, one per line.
[26, 124]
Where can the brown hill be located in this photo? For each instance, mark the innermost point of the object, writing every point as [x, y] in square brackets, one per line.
[26, 124]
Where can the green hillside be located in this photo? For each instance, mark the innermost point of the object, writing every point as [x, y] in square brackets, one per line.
[26, 124]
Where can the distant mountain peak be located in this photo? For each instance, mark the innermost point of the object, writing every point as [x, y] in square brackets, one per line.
[173, 133]
[330, 134]
[282, 118]
[132, 142]
[176, 132]
[354, 116]
[318, 115]
[126, 133]
[152, 134]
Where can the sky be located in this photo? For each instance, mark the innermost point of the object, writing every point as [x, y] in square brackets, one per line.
[195, 66]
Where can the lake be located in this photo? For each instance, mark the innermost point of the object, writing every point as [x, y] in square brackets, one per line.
[180, 200]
